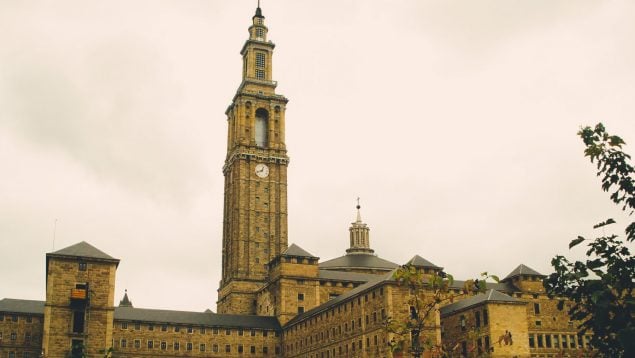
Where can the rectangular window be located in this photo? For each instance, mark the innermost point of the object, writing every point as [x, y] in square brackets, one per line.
[150, 344]
[571, 341]
[190, 330]
[150, 327]
[214, 330]
[82, 266]
[215, 348]
[164, 328]
[252, 349]
[228, 332]
[548, 340]
[11, 354]
[241, 332]
[14, 318]
[164, 345]
[260, 74]
[177, 346]
[487, 343]
[29, 319]
[556, 341]
[485, 318]
[137, 326]
[124, 343]
[137, 343]
[202, 330]
[538, 323]
[25, 355]
[463, 325]
[124, 325]
[564, 342]
[265, 349]
[78, 322]
[228, 348]
[188, 346]
[260, 59]
[540, 345]
[253, 333]
[300, 296]
[177, 329]
[202, 347]
[477, 316]
[536, 308]
[14, 336]
[532, 343]
[300, 310]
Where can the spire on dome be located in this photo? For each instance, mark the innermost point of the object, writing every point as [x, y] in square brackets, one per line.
[359, 236]
[258, 11]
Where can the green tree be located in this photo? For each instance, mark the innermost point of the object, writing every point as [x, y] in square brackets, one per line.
[601, 287]
[428, 292]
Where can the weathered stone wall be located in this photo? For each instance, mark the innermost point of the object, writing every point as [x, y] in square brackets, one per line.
[20, 334]
[63, 274]
[551, 331]
[353, 327]
[484, 327]
[146, 339]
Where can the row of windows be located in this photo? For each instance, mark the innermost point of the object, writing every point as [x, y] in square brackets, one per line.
[480, 318]
[14, 336]
[16, 318]
[342, 349]
[343, 307]
[191, 329]
[24, 355]
[482, 346]
[548, 340]
[189, 346]
[335, 331]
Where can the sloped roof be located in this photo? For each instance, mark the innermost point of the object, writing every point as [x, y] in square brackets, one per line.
[295, 250]
[21, 306]
[83, 249]
[421, 262]
[196, 318]
[507, 287]
[364, 261]
[524, 271]
[490, 296]
[346, 276]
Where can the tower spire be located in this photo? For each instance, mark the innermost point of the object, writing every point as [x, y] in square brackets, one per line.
[359, 235]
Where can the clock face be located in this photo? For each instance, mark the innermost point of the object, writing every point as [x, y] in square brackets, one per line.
[262, 170]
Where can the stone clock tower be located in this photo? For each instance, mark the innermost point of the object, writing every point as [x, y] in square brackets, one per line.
[255, 170]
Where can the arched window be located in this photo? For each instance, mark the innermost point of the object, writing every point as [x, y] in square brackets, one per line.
[262, 127]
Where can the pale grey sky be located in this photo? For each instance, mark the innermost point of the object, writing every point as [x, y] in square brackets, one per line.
[454, 121]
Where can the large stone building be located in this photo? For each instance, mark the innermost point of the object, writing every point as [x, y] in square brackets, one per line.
[276, 299]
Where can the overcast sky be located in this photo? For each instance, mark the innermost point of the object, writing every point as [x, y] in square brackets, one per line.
[454, 121]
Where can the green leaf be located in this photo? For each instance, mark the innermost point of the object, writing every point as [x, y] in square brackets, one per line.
[576, 241]
[604, 223]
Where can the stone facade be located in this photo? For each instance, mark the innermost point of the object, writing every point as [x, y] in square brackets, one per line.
[20, 334]
[136, 339]
[277, 300]
[255, 170]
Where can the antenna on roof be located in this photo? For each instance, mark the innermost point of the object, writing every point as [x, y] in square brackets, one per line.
[54, 231]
